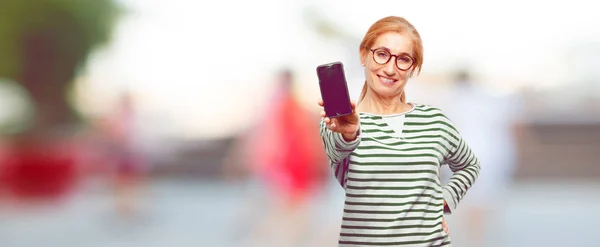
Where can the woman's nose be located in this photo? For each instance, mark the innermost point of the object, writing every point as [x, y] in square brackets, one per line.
[390, 67]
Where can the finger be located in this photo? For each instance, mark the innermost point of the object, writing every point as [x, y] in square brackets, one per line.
[445, 226]
[327, 120]
[334, 124]
[323, 114]
[353, 105]
[321, 102]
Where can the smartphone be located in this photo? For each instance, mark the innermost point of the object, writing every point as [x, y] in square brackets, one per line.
[334, 89]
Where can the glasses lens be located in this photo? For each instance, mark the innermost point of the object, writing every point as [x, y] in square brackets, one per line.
[381, 56]
[404, 62]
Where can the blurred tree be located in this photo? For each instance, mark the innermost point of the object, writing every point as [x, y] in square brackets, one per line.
[43, 44]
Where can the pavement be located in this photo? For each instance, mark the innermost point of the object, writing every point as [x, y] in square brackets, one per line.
[206, 213]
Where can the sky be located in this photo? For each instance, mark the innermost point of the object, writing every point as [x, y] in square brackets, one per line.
[204, 69]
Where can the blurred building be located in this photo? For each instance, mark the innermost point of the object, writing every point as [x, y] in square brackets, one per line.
[564, 121]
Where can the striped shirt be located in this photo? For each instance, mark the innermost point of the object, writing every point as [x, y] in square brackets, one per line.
[393, 195]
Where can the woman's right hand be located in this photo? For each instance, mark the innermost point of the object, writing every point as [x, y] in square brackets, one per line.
[346, 125]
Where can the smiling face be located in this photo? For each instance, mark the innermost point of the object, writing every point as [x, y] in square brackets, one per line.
[387, 80]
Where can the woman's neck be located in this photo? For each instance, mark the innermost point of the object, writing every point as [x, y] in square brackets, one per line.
[373, 103]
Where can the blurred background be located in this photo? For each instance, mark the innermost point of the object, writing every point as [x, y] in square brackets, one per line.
[168, 123]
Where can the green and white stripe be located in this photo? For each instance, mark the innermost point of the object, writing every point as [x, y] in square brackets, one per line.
[391, 180]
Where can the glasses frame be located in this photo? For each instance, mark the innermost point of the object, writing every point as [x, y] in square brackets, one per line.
[392, 55]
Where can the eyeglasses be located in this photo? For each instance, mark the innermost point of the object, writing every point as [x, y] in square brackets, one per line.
[382, 56]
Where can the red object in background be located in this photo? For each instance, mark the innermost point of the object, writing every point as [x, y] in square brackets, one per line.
[43, 171]
[287, 150]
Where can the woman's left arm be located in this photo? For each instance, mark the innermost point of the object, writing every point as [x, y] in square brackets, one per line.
[465, 167]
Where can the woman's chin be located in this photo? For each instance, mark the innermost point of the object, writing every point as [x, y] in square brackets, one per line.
[388, 92]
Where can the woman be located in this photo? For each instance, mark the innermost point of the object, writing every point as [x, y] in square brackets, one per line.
[387, 153]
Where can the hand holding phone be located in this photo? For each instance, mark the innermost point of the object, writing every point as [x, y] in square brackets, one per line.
[347, 125]
[339, 112]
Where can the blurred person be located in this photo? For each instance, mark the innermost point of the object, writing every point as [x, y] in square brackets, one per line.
[488, 121]
[281, 154]
[386, 155]
[128, 159]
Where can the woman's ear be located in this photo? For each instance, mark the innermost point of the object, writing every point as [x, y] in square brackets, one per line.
[363, 57]
[409, 73]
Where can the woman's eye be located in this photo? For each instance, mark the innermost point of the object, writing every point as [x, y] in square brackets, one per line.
[382, 54]
[405, 59]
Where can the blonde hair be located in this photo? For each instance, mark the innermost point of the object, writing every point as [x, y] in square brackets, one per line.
[392, 24]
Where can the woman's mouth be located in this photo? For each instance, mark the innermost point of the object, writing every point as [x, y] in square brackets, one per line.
[386, 80]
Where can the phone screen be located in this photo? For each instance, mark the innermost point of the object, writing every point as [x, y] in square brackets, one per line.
[334, 89]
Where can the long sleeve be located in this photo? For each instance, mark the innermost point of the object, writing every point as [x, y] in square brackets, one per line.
[338, 151]
[465, 167]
